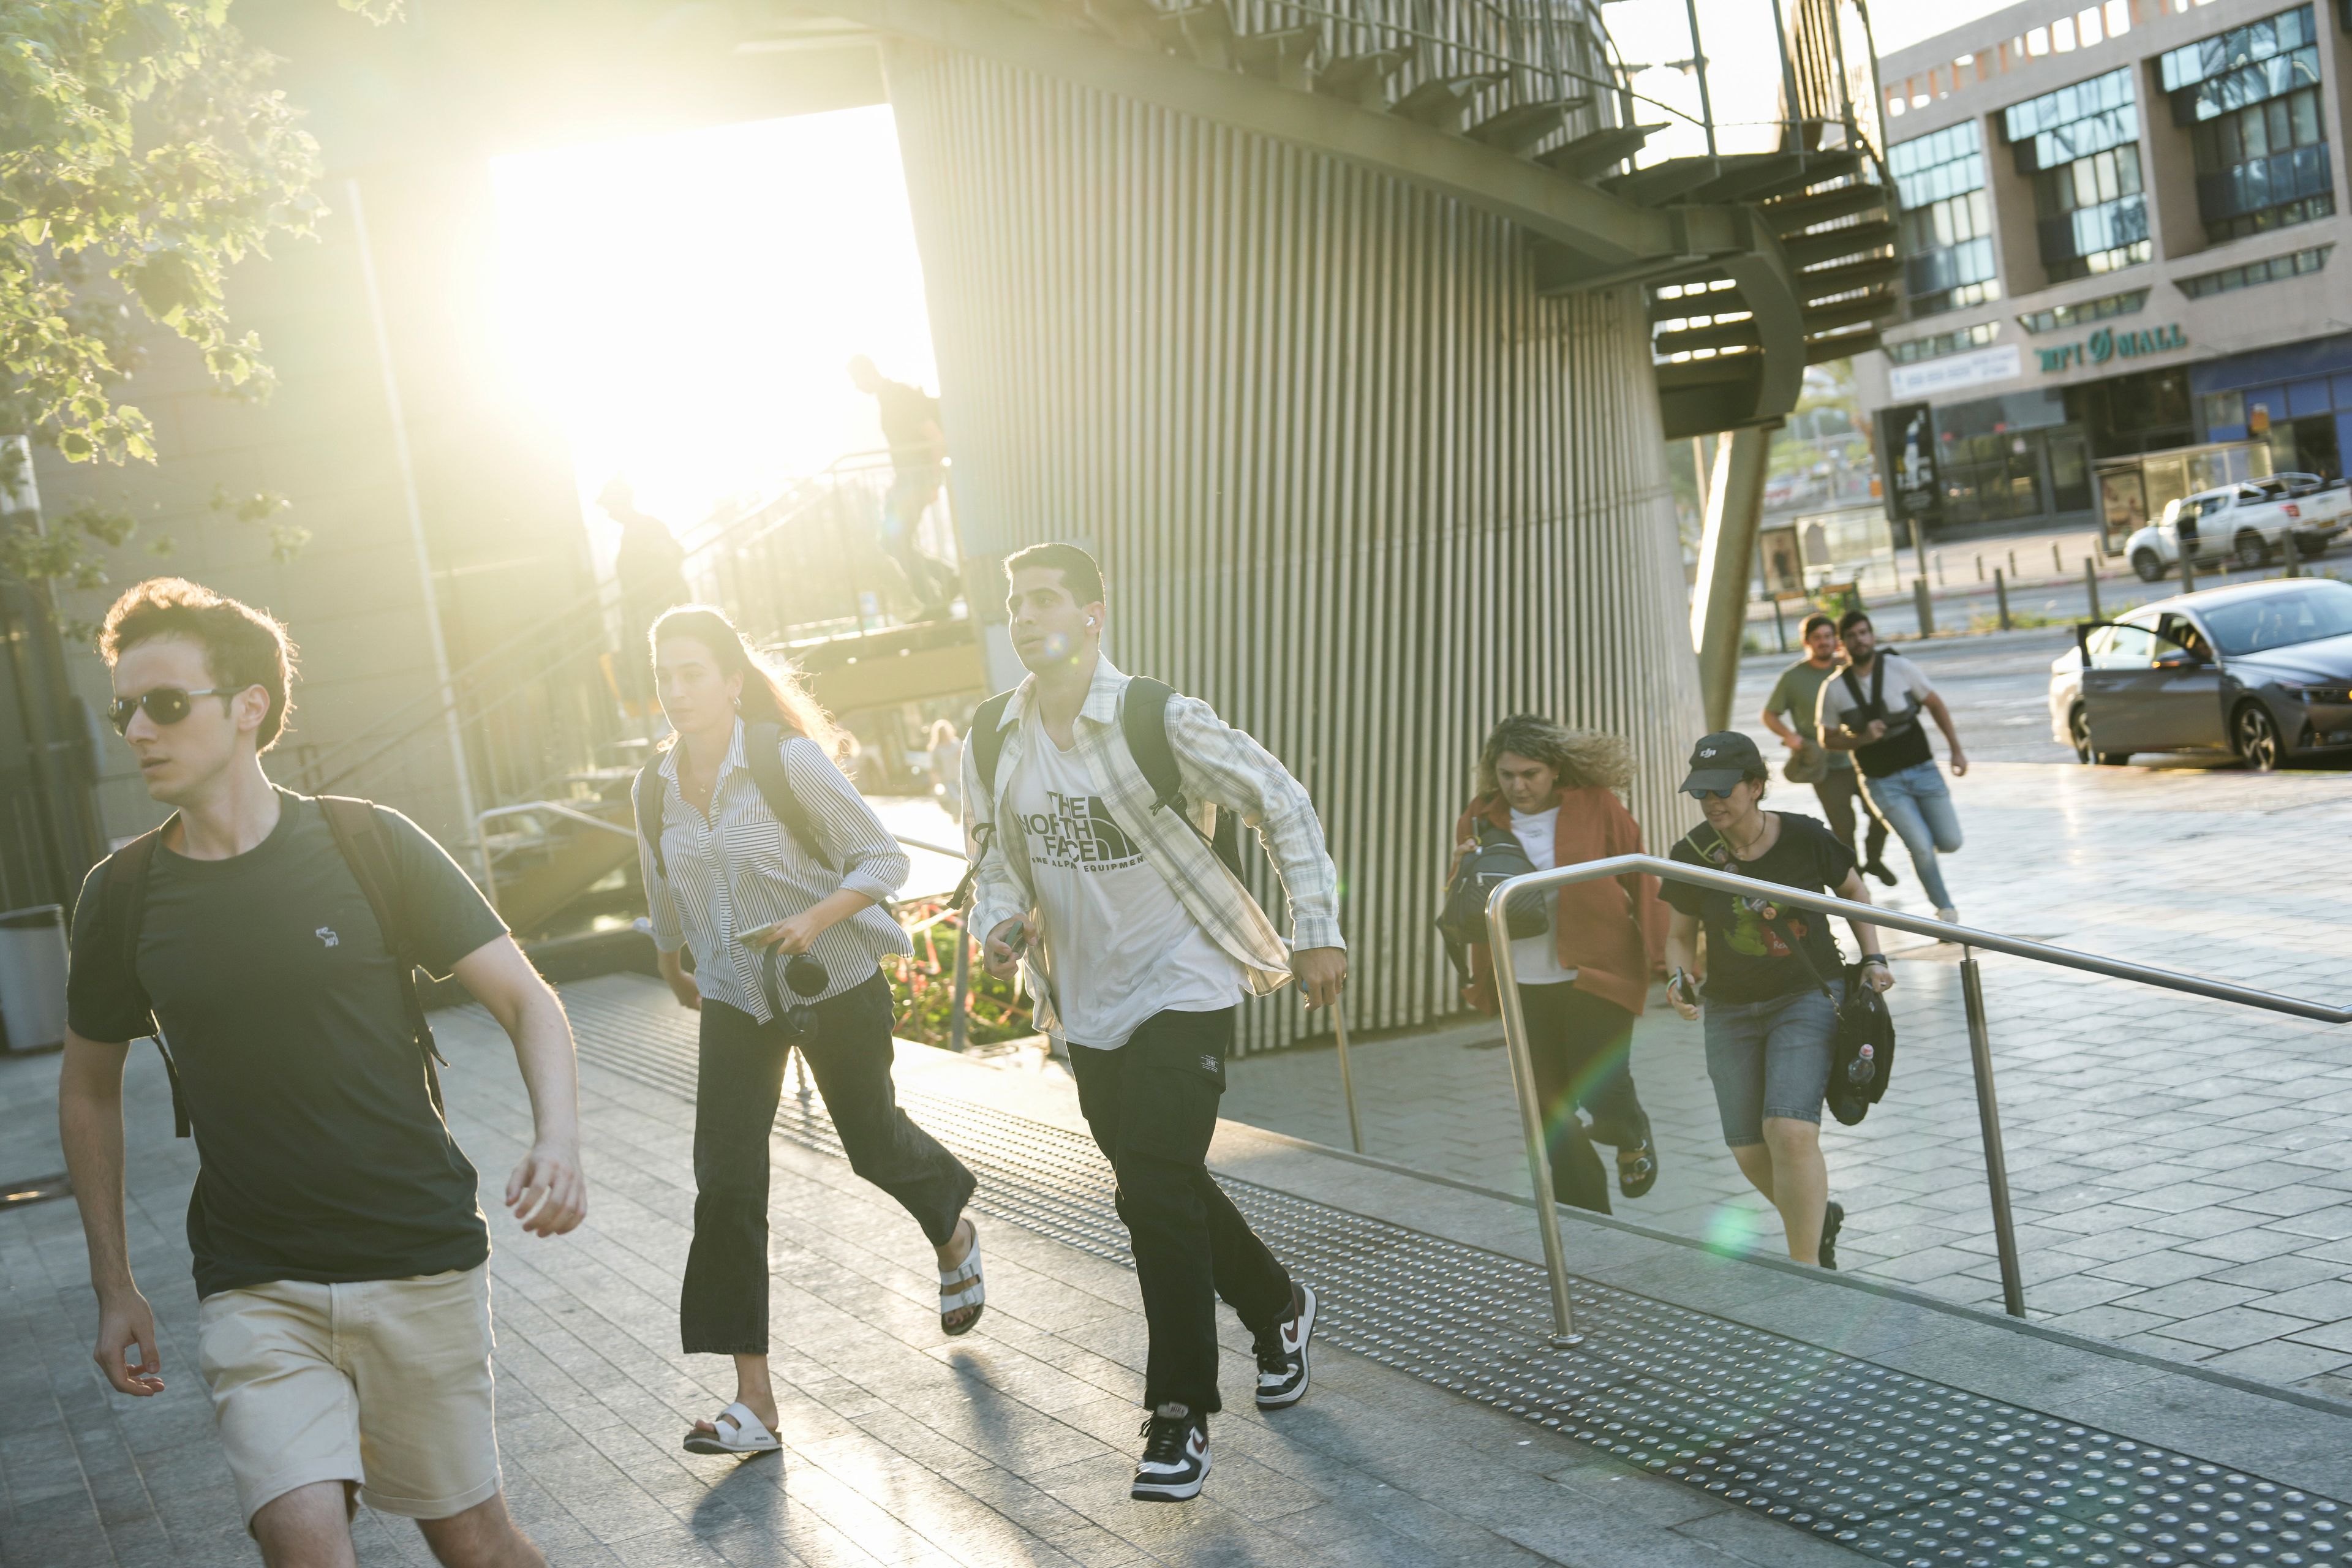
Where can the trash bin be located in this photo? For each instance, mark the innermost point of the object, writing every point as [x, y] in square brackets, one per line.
[33, 978]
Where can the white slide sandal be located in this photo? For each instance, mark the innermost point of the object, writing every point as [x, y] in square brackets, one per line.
[962, 1287]
[739, 1431]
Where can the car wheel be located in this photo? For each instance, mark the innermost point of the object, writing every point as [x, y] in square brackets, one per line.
[2253, 552]
[2078, 729]
[2255, 738]
[2149, 568]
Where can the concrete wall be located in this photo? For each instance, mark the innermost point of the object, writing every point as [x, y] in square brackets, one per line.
[1352, 479]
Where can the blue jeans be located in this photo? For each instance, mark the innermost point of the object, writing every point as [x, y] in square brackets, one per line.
[1919, 808]
[1769, 1058]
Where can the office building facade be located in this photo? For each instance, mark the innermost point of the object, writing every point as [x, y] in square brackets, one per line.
[2119, 230]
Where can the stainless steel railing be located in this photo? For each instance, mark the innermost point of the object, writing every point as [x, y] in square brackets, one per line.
[1531, 1111]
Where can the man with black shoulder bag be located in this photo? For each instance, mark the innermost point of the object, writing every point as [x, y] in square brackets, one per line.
[1872, 710]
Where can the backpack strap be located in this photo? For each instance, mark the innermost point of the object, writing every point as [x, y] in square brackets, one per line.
[122, 909]
[366, 845]
[1143, 721]
[986, 739]
[648, 797]
[763, 754]
[1720, 853]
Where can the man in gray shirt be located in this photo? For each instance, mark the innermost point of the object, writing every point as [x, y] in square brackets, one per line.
[1790, 713]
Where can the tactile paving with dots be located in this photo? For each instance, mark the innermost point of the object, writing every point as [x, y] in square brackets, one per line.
[1883, 1463]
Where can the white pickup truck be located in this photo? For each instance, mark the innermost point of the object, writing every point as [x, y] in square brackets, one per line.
[2246, 523]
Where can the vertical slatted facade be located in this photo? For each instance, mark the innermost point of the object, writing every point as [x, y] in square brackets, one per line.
[1350, 478]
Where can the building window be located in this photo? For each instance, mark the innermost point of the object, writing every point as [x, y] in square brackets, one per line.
[2250, 98]
[1946, 220]
[1943, 343]
[2061, 318]
[2080, 145]
[2255, 272]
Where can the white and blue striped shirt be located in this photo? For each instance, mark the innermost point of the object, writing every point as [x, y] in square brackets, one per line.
[738, 869]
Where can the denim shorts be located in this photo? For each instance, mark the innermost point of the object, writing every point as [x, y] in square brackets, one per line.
[1769, 1058]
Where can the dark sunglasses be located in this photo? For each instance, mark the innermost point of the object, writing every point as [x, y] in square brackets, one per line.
[805, 978]
[164, 704]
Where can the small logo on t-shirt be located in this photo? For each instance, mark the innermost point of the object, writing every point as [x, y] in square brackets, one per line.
[1209, 1064]
[1075, 833]
[327, 937]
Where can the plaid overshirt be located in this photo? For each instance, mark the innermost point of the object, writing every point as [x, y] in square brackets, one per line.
[1219, 767]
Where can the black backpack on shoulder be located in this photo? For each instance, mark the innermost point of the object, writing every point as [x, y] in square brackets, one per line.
[763, 754]
[1497, 857]
[366, 845]
[1143, 721]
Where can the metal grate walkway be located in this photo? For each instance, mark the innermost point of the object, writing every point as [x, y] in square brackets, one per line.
[1883, 1463]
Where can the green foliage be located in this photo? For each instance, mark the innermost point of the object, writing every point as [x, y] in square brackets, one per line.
[923, 987]
[143, 152]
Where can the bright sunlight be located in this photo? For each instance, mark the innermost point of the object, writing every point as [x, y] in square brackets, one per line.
[684, 303]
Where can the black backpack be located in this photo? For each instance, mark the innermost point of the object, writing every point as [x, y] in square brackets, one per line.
[366, 845]
[1497, 856]
[1863, 1019]
[1143, 721]
[763, 754]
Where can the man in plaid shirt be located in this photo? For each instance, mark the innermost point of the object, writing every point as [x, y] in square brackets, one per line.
[1137, 944]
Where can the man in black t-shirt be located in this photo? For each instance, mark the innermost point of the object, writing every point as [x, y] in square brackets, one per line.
[918, 449]
[340, 1255]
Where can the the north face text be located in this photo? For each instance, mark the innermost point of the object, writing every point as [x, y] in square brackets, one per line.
[1075, 833]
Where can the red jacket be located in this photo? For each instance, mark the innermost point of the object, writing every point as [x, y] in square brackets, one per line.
[1608, 932]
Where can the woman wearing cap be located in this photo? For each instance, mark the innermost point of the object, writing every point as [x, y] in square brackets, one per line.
[776, 872]
[1769, 1029]
[1583, 981]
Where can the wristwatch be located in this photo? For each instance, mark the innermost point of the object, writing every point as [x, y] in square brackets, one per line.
[1877, 958]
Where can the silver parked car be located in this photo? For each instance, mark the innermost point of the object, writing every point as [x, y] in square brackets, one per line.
[2263, 670]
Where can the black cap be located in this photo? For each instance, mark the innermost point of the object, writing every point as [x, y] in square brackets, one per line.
[1722, 760]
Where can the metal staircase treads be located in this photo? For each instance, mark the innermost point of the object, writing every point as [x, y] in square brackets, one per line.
[1442, 100]
[1753, 176]
[1598, 152]
[1520, 126]
[1662, 183]
[1830, 280]
[1363, 80]
[1829, 318]
[1794, 215]
[1204, 32]
[1840, 346]
[1285, 58]
[1714, 302]
[1835, 244]
[1740, 334]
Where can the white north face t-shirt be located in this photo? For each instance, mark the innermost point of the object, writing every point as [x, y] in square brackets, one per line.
[1119, 945]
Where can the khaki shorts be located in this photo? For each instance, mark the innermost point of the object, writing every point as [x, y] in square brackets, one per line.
[384, 1383]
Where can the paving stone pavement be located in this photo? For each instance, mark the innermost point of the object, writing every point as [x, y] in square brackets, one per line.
[2182, 1170]
[1010, 1446]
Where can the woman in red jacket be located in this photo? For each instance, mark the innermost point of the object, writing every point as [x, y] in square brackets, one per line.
[1583, 981]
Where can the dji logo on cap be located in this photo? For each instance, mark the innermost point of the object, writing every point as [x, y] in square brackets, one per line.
[1707, 751]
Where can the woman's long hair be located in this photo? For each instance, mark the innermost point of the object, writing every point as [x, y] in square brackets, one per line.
[1585, 759]
[772, 694]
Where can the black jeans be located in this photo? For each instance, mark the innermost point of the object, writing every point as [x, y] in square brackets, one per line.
[723, 1308]
[1152, 1106]
[1582, 1049]
[1840, 791]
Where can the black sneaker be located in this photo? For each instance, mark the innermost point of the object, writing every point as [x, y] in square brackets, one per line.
[1282, 1352]
[1880, 869]
[1175, 1458]
[1833, 1221]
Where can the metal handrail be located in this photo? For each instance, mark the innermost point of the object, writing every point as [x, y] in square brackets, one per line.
[1531, 1111]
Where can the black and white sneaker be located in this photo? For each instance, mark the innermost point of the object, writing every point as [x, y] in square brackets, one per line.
[1175, 1458]
[1282, 1353]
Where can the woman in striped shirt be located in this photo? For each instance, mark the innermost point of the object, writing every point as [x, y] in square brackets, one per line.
[776, 873]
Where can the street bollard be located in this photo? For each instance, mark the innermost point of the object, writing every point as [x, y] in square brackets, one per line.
[2189, 566]
[1780, 624]
[2000, 597]
[2012, 563]
[1926, 606]
[1980, 568]
[2091, 585]
[2293, 556]
[1939, 569]
[2057, 561]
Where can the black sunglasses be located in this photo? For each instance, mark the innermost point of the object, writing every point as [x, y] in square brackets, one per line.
[164, 704]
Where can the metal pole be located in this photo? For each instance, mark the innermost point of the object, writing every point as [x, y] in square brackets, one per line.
[401, 460]
[2091, 585]
[1924, 606]
[1795, 142]
[2294, 556]
[1347, 1079]
[1531, 1116]
[2004, 1229]
[2000, 597]
[959, 1027]
[2188, 563]
[1698, 65]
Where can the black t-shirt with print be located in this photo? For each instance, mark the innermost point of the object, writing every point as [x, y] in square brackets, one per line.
[321, 1155]
[1745, 960]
